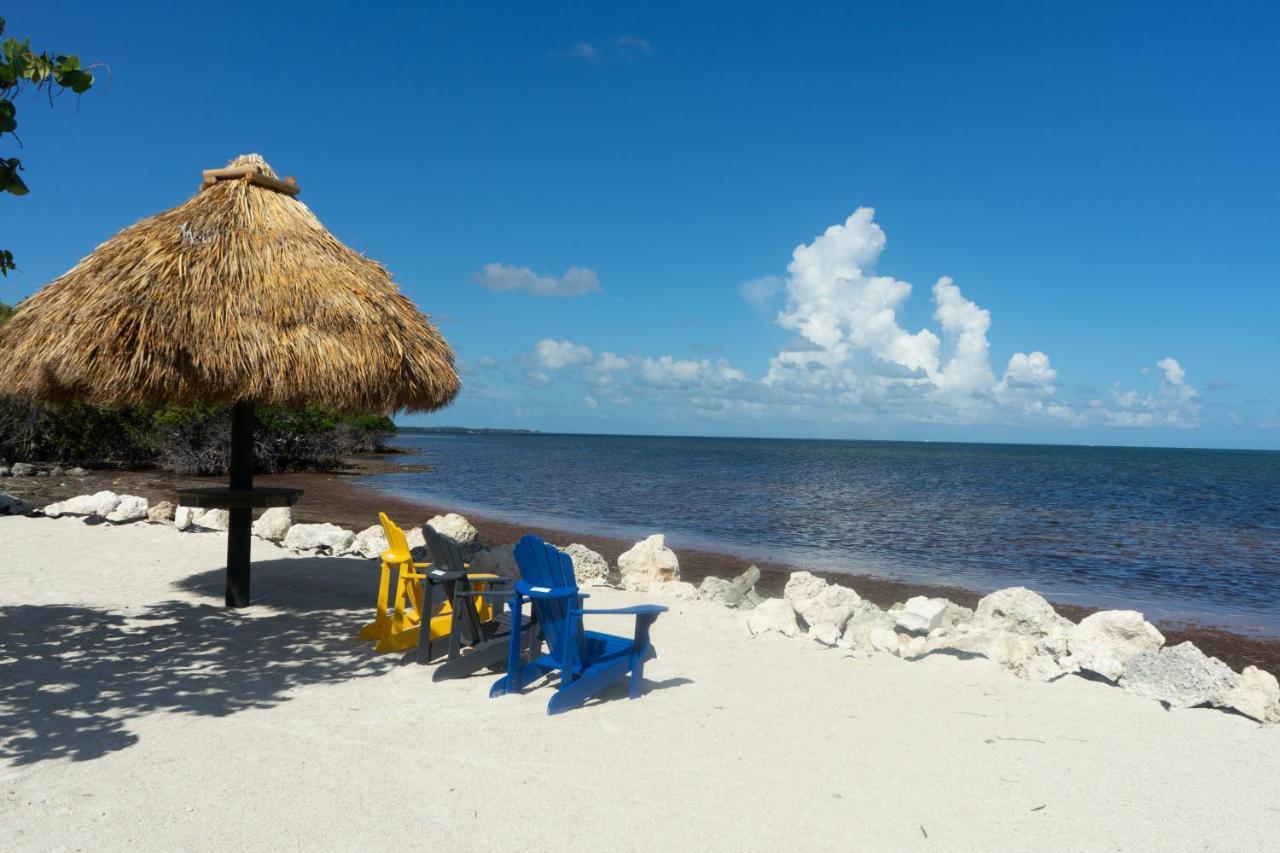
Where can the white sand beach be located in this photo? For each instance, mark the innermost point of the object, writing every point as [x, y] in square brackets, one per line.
[137, 713]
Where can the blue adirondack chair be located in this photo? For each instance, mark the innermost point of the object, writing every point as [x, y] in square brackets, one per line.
[588, 661]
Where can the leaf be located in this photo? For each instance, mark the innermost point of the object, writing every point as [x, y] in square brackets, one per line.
[7, 122]
[77, 81]
[9, 180]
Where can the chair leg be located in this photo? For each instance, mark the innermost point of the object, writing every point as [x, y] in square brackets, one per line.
[637, 677]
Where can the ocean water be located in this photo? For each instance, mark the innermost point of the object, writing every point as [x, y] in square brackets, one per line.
[1190, 535]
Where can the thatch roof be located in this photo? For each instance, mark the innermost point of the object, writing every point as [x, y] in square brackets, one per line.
[238, 294]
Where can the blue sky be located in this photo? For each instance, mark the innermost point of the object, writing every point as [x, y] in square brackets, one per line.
[656, 218]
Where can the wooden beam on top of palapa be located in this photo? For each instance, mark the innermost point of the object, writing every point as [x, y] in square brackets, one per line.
[254, 175]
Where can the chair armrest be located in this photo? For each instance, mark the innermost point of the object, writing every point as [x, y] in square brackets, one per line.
[484, 593]
[528, 590]
[636, 610]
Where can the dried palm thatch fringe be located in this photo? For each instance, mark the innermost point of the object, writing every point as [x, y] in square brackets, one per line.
[238, 294]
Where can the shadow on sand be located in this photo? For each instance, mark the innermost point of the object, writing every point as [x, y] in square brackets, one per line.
[71, 678]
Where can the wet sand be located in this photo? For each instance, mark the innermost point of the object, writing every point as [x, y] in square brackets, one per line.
[340, 498]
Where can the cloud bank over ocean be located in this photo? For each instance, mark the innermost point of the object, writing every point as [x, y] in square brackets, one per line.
[851, 358]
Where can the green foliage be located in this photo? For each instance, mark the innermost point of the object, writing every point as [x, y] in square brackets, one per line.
[21, 67]
[6, 311]
[184, 439]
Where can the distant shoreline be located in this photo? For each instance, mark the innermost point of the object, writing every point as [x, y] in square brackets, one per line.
[453, 430]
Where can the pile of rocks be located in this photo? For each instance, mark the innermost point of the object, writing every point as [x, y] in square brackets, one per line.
[1014, 627]
[27, 469]
[1021, 632]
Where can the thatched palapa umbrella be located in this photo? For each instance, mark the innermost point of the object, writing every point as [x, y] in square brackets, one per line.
[238, 296]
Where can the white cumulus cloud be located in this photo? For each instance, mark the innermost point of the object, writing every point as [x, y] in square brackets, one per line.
[555, 355]
[577, 281]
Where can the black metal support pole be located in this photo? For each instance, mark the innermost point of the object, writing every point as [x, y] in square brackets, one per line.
[242, 420]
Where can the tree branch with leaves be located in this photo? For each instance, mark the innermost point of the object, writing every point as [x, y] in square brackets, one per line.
[22, 68]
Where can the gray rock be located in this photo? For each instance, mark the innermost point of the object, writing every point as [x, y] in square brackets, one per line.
[498, 560]
[77, 472]
[589, 568]
[9, 505]
[1181, 676]
[23, 469]
[5, 472]
[57, 471]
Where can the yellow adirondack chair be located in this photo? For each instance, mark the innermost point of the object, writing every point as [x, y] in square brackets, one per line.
[397, 622]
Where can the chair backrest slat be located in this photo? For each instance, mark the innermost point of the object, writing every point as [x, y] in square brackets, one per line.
[544, 565]
[446, 554]
[445, 551]
[397, 544]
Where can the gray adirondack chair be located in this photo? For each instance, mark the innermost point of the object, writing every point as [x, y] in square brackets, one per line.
[474, 644]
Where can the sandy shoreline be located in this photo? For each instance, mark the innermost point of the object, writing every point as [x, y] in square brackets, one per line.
[137, 713]
[341, 498]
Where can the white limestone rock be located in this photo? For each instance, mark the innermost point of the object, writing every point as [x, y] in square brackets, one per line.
[1104, 641]
[182, 517]
[25, 469]
[100, 504]
[824, 634]
[211, 519]
[129, 508]
[1181, 676]
[1019, 630]
[1020, 611]
[326, 537]
[454, 526]
[161, 513]
[370, 542]
[772, 614]
[273, 524]
[911, 646]
[415, 538]
[819, 602]
[857, 631]
[9, 505]
[589, 568]
[648, 562]
[921, 614]
[884, 640]
[715, 590]
[1257, 696]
